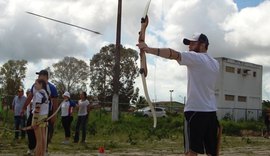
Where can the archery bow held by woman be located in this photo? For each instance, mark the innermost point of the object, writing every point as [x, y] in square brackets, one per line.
[201, 124]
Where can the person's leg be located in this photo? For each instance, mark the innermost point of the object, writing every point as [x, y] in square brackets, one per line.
[70, 118]
[64, 124]
[194, 133]
[191, 153]
[38, 149]
[211, 135]
[84, 124]
[31, 134]
[77, 130]
[16, 126]
[43, 140]
[22, 124]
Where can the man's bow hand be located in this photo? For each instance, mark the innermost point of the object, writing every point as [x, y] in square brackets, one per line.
[143, 46]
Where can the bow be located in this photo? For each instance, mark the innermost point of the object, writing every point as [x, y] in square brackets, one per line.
[143, 69]
[42, 121]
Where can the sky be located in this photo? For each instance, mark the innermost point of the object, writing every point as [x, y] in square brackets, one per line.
[236, 29]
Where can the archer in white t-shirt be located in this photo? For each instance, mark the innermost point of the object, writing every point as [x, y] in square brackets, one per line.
[201, 125]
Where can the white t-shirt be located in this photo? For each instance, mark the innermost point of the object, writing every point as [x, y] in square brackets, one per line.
[66, 108]
[203, 72]
[83, 107]
[35, 90]
[44, 107]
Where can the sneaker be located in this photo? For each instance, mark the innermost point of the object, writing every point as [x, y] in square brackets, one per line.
[30, 152]
[65, 142]
[83, 142]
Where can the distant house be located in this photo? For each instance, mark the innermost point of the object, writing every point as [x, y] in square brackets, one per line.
[239, 90]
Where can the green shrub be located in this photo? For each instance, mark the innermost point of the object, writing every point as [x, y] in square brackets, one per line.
[234, 128]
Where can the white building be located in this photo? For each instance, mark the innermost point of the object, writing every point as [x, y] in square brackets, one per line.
[239, 90]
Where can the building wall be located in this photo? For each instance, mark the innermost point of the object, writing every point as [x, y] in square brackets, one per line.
[239, 89]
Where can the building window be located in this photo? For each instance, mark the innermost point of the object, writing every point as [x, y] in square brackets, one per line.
[229, 69]
[242, 98]
[254, 74]
[229, 97]
[246, 72]
[238, 70]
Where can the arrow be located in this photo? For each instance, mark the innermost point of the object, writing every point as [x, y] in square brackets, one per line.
[73, 25]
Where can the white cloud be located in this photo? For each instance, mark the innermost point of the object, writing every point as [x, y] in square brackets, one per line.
[29, 37]
[248, 28]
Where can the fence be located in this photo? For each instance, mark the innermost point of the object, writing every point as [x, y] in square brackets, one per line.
[223, 113]
[239, 114]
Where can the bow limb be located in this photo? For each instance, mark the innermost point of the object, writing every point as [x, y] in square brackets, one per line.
[57, 110]
[143, 69]
[148, 100]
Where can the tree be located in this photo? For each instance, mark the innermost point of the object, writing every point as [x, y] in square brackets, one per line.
[134, 99]
[101, 73]
[12, 74]
[70, 74]
[265, 104]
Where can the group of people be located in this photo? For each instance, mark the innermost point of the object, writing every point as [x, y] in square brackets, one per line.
[41, 107]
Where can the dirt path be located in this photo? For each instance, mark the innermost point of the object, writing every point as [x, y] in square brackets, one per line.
[244, 151]
[231, 146]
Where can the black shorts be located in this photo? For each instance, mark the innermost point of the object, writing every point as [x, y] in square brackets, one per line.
[200, 132]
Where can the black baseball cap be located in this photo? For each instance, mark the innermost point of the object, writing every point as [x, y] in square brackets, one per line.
[43, 72]
[197, 37]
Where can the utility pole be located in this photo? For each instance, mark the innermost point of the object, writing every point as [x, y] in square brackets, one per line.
[115, 100]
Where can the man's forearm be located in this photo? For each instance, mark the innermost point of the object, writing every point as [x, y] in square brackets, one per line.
[165, 53]
[27, 101]
[54, 104]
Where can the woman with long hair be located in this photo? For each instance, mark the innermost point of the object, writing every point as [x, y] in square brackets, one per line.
[40, 113]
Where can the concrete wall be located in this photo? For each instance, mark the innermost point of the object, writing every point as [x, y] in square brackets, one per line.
[239, 89]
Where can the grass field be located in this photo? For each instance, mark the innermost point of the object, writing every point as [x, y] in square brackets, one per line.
[134, 136]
